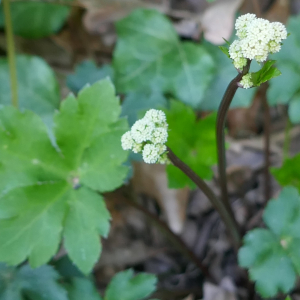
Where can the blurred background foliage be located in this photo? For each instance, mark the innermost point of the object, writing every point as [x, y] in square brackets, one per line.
[159, 54]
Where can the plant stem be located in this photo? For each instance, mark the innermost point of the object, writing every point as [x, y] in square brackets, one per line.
[216, 202]
[221, 117]
[11, 52]
[175, 239]
[267, 133]
[287, 138]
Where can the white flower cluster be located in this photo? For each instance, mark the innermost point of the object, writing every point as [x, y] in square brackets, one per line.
[257, 39]
[148, 136]
[246, 81]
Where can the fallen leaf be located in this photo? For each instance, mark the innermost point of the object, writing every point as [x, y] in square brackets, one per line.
[152, 180]
[218, 20]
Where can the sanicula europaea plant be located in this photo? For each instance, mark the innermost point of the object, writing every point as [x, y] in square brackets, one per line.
[257, 38]
[70, 181]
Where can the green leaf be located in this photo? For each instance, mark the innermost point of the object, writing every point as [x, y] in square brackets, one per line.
[136, 102]
[192, 141]
[150, 54]
[266, 73]
[36, 19]
[32, 284]
[131, 287]
[87, 72]
[294, 109]
[89, 158]
[82, 288]
[272, 254]
[225, 50]
[37, 86]
[288, 298]
[283, 89]
[221, 79]
[288, 173]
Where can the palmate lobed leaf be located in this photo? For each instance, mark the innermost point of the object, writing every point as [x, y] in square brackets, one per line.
[272, 254]
[126, 286]
[47, 192]
[36, 19]
[149, 53]
[288, 173]
[38, 91]
[192, 141]
[31, 284]
[286, 89]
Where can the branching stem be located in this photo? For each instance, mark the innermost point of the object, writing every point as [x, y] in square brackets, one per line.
[11, 52]
[216, 202]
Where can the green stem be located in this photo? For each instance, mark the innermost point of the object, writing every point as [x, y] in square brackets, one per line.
[11, 53]
[220, 132]
[287, 138]
[216, 202]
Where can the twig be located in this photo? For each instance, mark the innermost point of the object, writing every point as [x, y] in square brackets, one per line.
[216, 202]
[222, 113]
[175, 239]
[11, 53]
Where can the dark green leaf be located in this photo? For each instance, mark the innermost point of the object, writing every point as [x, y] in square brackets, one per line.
[37, 86]
[225, 50]
[36, 19]
[294, 109]
[266, 73]
[87, 72]
[289, 172]
[130, 287]
[283, 89]
[82, 288]
[89, 159]
[192, 141]
[139, 101]
[272, 254]
[34, 284]
[150, 54]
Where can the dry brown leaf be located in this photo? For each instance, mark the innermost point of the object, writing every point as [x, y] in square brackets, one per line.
[214, 292]
[152, 180]
[218, 20]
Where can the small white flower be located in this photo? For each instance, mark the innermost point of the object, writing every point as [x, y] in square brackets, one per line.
[156, 116]
[148, 136]
[151, 153]
[127, 141]
[137, 148]
[274, 47]
[240, 63]
[142, 130]
[235, 50]
[242, 23]
[163, 159]
[280, 32]
[159, 136]
[246, 81]
[257, 39]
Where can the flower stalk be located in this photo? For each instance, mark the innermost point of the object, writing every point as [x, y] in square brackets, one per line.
[220, 132]
[219, 205]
